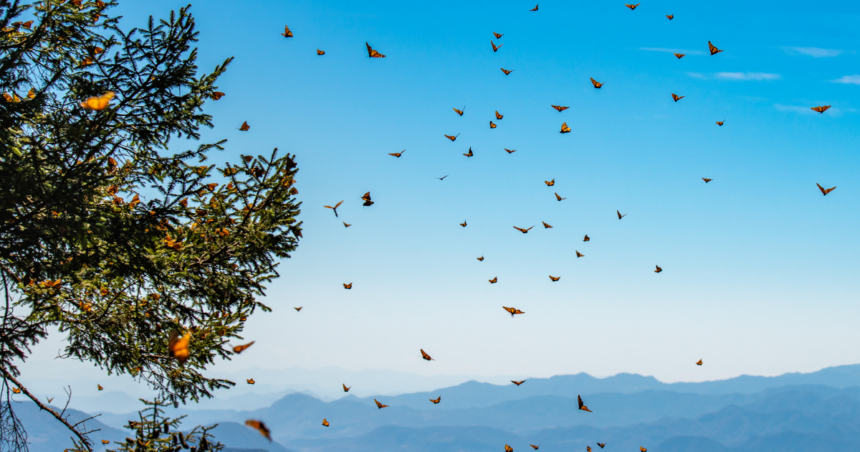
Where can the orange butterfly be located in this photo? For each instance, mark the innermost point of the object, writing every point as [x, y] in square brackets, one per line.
[494, 280]
[497, 35]
[373, 53]
[513, 311]
[463, 223]
[713, 49]
[492, 126]
[287, 33]
[658, 269]
[549, 183]
[50, 399]
[554, 278]
[596, 83]
[470, 154]
[825, 191]
[481, 259]
[379, 405]
[366, 198]
[217, 95]
[546, 225]
[578, 255]
[534, 447]
[680, 55]
[100, 387]
[320, 52]
[346, 388]
[508, 448]
[299, 309]
[564, 128]
[619, 215]
[178, 346]
[670, 16]
[720, 123]
[459, 112]
[101, 102]
[821, 109]
[535, 8]
[510, 151]
[499, 116]
[241, 348]
[602, 445]
[335, 207]
[632, 7]
[677, 97]
[699, 362]
[706, 179]
[250, 381]
[582, 405]
[559, 197]
[507, 71]
[436, 400]
[587, 448]
[346, 225]
[642, 449]
[518, 382]
[524, 231]
[260, 427]
[397, 154]
[104, 441]
[452, 138]
[325, 423]
[426, 356]
[347, 286]
[495, 47]
[559, 108]
[244, 127]
[16, 391]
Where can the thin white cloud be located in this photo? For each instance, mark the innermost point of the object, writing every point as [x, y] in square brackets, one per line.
[793, 108]
[747, 76]
[848, 80]
[697, 75]
[661, 49]
[815, 52]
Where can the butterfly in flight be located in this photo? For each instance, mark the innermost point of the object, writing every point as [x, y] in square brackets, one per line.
[494, 280]
[100, 387]
[546, 225]
[586, 239]
[549, 183]
[582, 405]
[587, 448]
[426, 356]
[632, 7]
[325, 423]
[50, 399]
[287, 33]
[564, 128]
[320, 52]
[499, 116]
[495, 47]
[559, 197]
[260, 427]
[345, 387]
[560, 108]
[459, 112]
[676, 97]
[714, 50]
[535, 8]
[602, 445]
[508, 448]
[379, 405]
[335, 207]
[470, 154]
[642, 449]
[481, 259]
[619, 215]
[299, 309]
[670, 16]
[524, 231]
[492, 126]
[367, 201]
[821, 109]
[720, 123]
[346, 225]
[513, 311]
[463, 223]
[452, 138]
[436, 400]
[699, 362]
[554, 278]
[441, 178]
[250, 381]
[347, 286]
[825, 191]
[518, 382]
[245, 127]
[177, 347]
[217, 95]
[373, 53]
[16, 391]
[104, 441]
[596, 83]
[497, 35]
[534, 447]
[706, 179]
[507, 71]
[397, 154]
[578, 254]
[241, 348]
[679, 55]
[510, 151]
[658, 269]
[101, 102]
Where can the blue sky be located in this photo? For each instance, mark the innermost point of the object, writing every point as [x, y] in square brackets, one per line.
[759, 268]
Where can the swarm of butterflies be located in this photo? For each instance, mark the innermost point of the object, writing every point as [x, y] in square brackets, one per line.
[178, 345]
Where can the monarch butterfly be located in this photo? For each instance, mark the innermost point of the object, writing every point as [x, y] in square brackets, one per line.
[706, 179]
[177, 347]
[50, 399]
[508, 448]
[347, 286]
[260, 427]
[559, 108]
[100, 102]
[426, 356]
[587, 448]
[346, 225]
[632, 7]
[379, 405]
[586, 239]
[287, 33]
[335, 207]
[714, 50]
[452, 138]
[699, 362]
[104, 441]
[507, 71]
[397, 154]
[463, 223]
[497, 35]
[495, 47]
[345, 387]
[534, 447]
[554, 278]
[499, 116]
[245, 127]
[16, 391]
[459, 112]
[535, 8]
[373, 53]
[241, 348]
[492, 126]
[32, 93]
[518, 382]
[510, 151]
[320, 52]
[578, 255]
[325, 423]
[481, 259]
[679, 55]
[494, 280]
[658, 269]
[366, 198]
[513, 311]
[546, 225]
[250, 381]
[524, 231]
[470, 154]
[670, 16]
[720, 123]
[564, 128]
[582, 405]
[299, 309]
[559, 197]
[596, 83]
[825, 191]
[602, 445]
[642, 449]
[100, 387]
[549, 183]
[619, 215]
[676, 97]
[436, 400]
[821, 109]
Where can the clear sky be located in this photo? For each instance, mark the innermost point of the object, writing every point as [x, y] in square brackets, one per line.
[759, 269]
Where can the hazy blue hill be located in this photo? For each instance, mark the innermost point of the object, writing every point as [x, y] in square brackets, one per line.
[46, 434]
[691, 443]
[835, 377]
[236, 436]
[437, 439]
